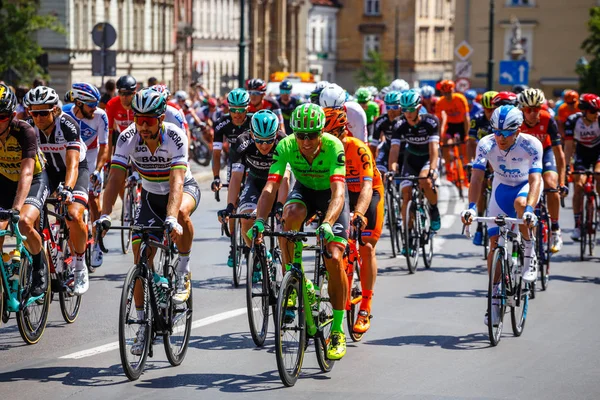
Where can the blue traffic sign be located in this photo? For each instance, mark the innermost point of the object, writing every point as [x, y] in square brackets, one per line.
[514, 72]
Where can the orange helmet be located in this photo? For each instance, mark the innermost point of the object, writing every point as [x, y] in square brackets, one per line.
[334, 119]
[571, 97]
[447, 86]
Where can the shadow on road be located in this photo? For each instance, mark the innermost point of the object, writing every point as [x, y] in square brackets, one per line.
[231, 341]
[575, 279]
[477, 269]
[234, 383]
[215, 283]
[435, 295]
[71, 376]
[473, 341]
[108, 277]
[460, 256]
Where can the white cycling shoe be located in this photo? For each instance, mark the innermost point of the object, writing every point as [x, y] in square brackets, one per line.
[530, 269]
[82, 282]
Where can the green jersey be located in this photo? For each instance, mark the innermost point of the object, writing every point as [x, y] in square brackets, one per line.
[372, 112]
[329, 165]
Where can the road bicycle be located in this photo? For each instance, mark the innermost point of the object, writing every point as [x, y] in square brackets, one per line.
[589, 217]
[353, 268]
[487, 193]
[393, 213]
[543, 242]
[238, 246]
[132, 198]
[151, 292]
[456, 165]
[417, 225]
[200, 150]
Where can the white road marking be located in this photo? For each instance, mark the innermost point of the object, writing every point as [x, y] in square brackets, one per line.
[196, 324]
[449, 216]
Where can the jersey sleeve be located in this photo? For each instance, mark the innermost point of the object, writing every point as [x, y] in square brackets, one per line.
[481, 157]
[397, 132]
[123, 149]
[280, 156]
[103, 129]
[377, 128]
[178, 147]
[570, 127]
[27, 140]
[553, 132]
[219, 133]
[70, 130]
[434, 128]
[337, 172]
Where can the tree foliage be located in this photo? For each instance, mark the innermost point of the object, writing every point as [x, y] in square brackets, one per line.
[589, 74]
[374, 72]
[19, 23]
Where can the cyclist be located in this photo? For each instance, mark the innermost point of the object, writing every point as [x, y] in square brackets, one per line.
[334, 96]
[474, 107]
[583, 128]
[399, 85]
[382, 132]
[452, 110]
[517, 162]
[65, 152]
[93, 125]
[429, 98]
[480, 127]
[365, 197]
[118, 109]
[257, 89]
[365, 99]
[421, 133]
[569, 107]
[170, 195]
[316, 92]
[24, 183]
[518, 89]
[318, 163]
[288, 103]
[173, 113]
[540, 124]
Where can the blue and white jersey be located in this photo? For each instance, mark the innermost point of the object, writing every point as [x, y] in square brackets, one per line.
[94, 132]
[175, 117]
[511, 167]
[474, 109]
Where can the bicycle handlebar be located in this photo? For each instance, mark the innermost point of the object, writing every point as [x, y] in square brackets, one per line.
[217, 195]
[357, 234]
[105, 226]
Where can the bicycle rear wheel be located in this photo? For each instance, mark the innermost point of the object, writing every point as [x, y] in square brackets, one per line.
[545, 253]
[392, 219]
[127, 216]
[257, 296]
[498, 267]
[176, 342]
[323, 320]
[69, 303]
[130, 323]
[412, 237]
[354, 300]
[290, 333]
[427, 236]
[32, 319]
[237, 245]
[593, 224]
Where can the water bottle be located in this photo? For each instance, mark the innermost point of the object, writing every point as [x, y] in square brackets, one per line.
[514, 258]
[161, 285]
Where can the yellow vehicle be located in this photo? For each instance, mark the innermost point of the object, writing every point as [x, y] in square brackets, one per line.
[303, 83]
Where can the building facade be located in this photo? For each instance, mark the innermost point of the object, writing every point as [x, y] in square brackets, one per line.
[321, 40]
[422, 31]
[551, 35]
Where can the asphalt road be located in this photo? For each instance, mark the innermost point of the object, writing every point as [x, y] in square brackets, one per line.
[427, 340]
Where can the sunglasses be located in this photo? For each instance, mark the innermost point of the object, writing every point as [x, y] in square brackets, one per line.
[150, 121]
[126, 93]
[409, 110]
[264, 141]
[285, 91]
[40, 113]
[307, 135]
[531, 109]
[92, 105]
[256, 93]
[505, 133]
[5, 117]
[392, 106]
[237, 110]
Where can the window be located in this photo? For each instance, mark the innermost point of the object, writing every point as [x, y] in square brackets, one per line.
[372, 7]
[438, 51]
[424, 8]
[439, 9]
[520, 3]
[371, 43]
[423, 44]
[314, 39]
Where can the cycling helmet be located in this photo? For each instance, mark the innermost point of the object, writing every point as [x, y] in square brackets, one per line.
[256, 84]
[363, 95]
[392, 98]
[41, 95]
[307, 117]
[427, 92]
[410, 99]
[127, 82]
[285, 85]
[334, 118]
[316, 93]
[265, 124]
[516, 89]
[400, 85]
[238, 98]
[571, 96]
[180, 95]
[470, 94]
[85, 92]
[149, 101]
[8, 99]
[532, 98]
[447, 86]
[589, 102]
[486, 99]
[373, 90]
[506, 118]
[162, 89]
[385, 91]
[68, 97]
[504, 98]
[332, 96]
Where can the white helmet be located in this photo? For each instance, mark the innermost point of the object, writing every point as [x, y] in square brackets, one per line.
[400, 85]
[332, 96]
[506, 118]
[180, 95]
[531, 98]
[41, 95]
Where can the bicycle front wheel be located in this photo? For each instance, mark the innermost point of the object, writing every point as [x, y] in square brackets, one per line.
[412, 237]
[237, 245]
[355, 298]
[290, 329]
[127, 216]
[593, 224]
[518, 312]
[32, 319]
[427, 236]
[324, 319]
[257, 296]
[392, 219]
[545, 253]
[496, 298]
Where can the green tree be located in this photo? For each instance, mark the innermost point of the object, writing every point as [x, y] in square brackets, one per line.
[19, 23]
[374, 72]
[589, 73]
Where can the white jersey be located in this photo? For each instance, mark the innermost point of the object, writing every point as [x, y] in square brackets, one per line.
[511, 167]
[94, 132]
[357, 120]
[176, 117]
[154, 168]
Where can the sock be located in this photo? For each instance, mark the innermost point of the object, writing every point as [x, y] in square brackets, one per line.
[528, 248]
[184, 263]
[80, 262]
[338, 321]
[554, 226]
[365, 303]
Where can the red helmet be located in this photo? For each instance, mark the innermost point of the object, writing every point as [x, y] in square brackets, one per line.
[447, 86]
[589, 102]
[504, 99]
[256, 84]
[212, 102]
[571, 96]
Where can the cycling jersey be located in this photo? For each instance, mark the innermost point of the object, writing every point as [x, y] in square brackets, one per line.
[372, 112]
[205, 114]
[357, 120]
[20, 144]
[480, 127]
[474, 109]
[586, 136]
[154, 168]
[564, 112]
[328, 166]
[176, 117]
[244, 155]
[94, 132]
[545, 130]
[382, 125]
[286, 112]
[432, 105]
[360, 166]
[118, 117]
[268, 104]
[65, 136]
[417, 137]
[226, 129]
[456, 109]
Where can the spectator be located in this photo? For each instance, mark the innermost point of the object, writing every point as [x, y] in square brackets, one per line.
[152, 81]
[109, 93]
[38, 82]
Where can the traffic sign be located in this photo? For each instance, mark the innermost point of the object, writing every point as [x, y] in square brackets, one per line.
[514, 72]
[463, 50]
[106, 68]
[463, 84]
[104, 34]
[429, 82]
[463, 69]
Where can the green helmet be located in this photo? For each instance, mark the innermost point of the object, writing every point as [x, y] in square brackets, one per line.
[307, 117]
[265, 124]
[392, 98]
[238, 98]
[149, 101]
[363, 95]
[410, 99]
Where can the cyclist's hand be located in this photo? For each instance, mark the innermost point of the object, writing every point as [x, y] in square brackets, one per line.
[359, 219]
[433, 173]
[65, 194]
[104, 223]
[97, 179]
[529, 217]
[564, 191]
[216, 185]
[224, 214]
[173, 226]
[325, 228]
[259, 224]
[467, 215]
[135, 177]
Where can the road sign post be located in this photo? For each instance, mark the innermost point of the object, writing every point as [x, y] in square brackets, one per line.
[104, 35]
[514, 72]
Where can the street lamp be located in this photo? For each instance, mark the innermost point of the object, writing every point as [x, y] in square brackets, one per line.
[490, 71]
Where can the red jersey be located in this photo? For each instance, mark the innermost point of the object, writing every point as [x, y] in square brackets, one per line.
[545, 130]
[117, 115]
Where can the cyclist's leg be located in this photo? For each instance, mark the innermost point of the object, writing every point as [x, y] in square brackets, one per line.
[189, 202]
[579, 179]
[297, 208]
[529, 272]
[77, 228]
[247, 203]
[448, 140]
[550, 175]
[30, 215]
[431, 196]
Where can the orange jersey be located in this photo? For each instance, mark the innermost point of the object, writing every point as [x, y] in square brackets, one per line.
[456, 109]
[360, 165]
[545, 130]
[564, 112]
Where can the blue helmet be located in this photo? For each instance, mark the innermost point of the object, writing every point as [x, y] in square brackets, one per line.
[506, 118]
[392, 98]
[85, 92]
[470, 94]
[427, 91]
[265, 124]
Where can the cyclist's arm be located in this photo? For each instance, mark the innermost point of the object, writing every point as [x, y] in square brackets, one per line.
[569, 147]
[365, 196]
[102, 157]
[116, 181]
[475, 185]
[393, 158]
[103, 150]
[217, 146]
[535, 187]
[176, 181]
[434, 147]
[467, 122]
[72, 161]
[25, 179]
[336, 204]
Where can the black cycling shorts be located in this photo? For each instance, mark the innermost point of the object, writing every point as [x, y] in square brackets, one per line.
[38, 193]
[586, 158]
[251, 193]
[383, 155]
[80, 191]
[459, 129]
[413, 165]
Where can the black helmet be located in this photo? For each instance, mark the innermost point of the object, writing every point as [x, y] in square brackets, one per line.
[127, 82]
[257, 84]
[516, 89]
[285, 85]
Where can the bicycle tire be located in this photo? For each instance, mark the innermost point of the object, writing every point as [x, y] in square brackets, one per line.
[32, 329]
[324, 320]
[129, 207]
[518, 315]
[427, 236]
[412, 260]
[133, 370]
[237, 243]
[486, 242]
[546, 254]
[495, 332]
[177, 313]
[257, 298]
[201, 152]
[392, 223]
[593, 225]
[289, 370]
[355, 298]
[69, 303]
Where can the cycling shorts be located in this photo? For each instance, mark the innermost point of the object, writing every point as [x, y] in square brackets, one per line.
[38, 193]
[383, 156]
[374, 214]
[549, 161]
[251, 193]
[80, 190]
[153, 209]
[586, 158]
[318, 200]
[413, 165]
[453, 129]
[502, 201]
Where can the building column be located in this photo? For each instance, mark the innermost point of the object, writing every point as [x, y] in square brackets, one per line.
[282, 36]
[266, 35]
